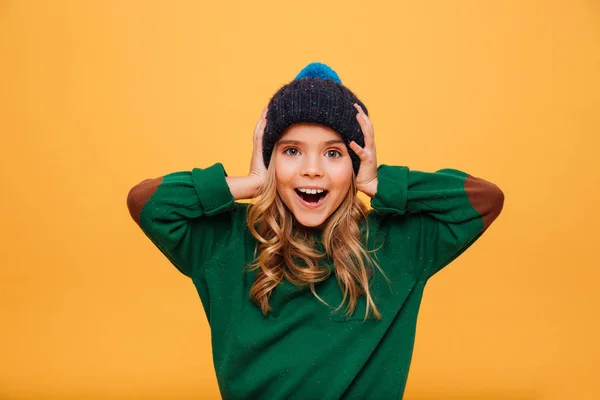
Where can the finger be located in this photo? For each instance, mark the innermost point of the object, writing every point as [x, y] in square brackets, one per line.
[361, 111]
[362, 117]
[257, 129]
[366, 126]
[360, 152]
[260, 125]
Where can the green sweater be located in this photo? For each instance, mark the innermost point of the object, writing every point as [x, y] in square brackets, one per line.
[301, 350]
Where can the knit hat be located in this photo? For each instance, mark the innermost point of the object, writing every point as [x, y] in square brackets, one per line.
[316, 95]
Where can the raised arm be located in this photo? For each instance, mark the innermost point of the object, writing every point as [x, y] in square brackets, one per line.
[188, 214]
[434, 216]
[449, 208]
[192, 216]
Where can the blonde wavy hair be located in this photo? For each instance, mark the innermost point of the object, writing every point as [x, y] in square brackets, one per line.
[280, 241]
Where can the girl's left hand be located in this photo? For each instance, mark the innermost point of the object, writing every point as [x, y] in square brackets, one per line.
[366, 180]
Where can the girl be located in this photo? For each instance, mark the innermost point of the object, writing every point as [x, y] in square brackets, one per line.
[269, 273]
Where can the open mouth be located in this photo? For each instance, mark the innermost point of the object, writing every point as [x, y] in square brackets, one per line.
[312, 199]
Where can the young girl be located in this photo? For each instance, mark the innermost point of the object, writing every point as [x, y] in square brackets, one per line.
[273, 275]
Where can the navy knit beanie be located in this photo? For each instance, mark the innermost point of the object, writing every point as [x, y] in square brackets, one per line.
[316, 95]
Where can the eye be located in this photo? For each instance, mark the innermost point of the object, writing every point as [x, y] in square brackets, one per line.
[336, 153]
[289, 149]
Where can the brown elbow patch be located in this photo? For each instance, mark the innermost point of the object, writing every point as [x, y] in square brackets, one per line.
[139, 195]
[485, 197]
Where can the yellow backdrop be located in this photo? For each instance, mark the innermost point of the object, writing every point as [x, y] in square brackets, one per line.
[96, 96]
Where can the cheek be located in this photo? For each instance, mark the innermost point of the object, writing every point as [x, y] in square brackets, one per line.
[341, 177]
[284, 173]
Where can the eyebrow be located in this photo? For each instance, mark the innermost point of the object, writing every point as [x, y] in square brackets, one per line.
[297, 142]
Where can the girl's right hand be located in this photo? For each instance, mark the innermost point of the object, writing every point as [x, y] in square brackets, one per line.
[257, 165]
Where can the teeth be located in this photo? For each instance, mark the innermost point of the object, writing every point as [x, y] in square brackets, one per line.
[311, 191]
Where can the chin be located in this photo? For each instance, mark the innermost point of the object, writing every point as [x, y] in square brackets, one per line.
[311, 223]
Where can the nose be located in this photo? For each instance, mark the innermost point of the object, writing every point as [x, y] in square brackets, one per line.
[312, 167]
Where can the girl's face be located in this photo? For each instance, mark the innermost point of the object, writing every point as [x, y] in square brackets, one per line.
[312, 158]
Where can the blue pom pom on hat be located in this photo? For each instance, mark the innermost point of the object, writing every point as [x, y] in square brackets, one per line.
[318, 70]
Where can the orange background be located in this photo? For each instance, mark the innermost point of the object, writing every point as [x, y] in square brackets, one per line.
[96, 96]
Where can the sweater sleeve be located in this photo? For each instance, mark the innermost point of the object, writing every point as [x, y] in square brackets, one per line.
[184, 215]
[447, 209]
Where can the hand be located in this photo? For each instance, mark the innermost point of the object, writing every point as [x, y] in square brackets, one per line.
[366, 180]
[257, 165]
